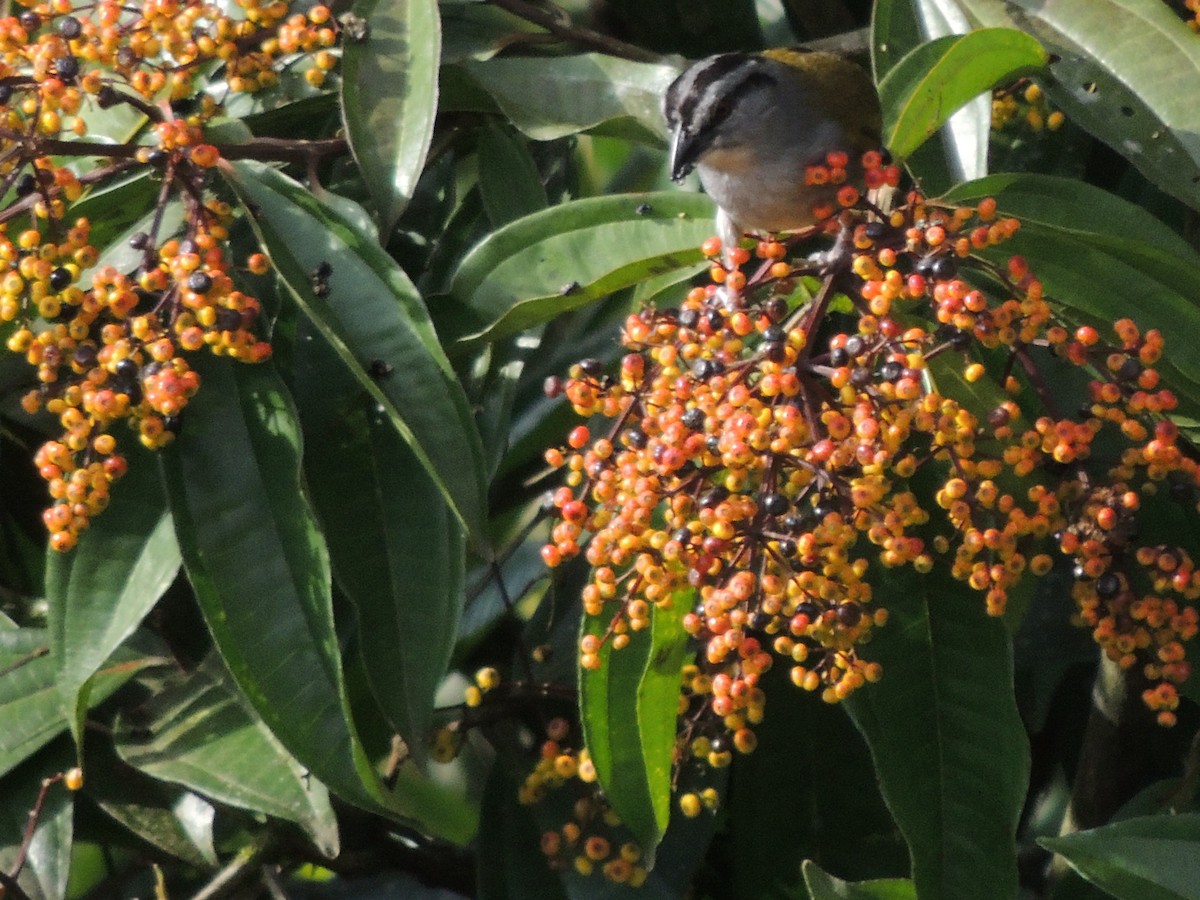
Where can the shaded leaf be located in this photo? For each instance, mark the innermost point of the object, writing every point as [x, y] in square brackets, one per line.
[658, 708]
[551, 97]
[398, 552]
[48, 861]
[196, 732]
[628, 707]
[1145, 858]
[372, 312]
[100, 592]
[30, 707]
[389, 97]
[509, 182]
[260, 570]
[949, 747]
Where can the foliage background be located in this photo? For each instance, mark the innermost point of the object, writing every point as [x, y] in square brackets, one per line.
[340, 537]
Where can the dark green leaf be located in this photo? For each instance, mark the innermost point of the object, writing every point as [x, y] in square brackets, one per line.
[389, 97]
[510, 865]
[397, 551]
[100, 592]
[196, 732]
[791, 798]
[921, 91]
[373, 312]
[260, 569]
[949, 747]
[573, 254]
[508, 177]
[1146, 858]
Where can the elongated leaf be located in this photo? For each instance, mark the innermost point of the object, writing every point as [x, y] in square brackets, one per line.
[100, 592]
[29, 700]
[260, 570]
[921, 91]
[197, 733]
[949, 747]
[510, 865]
[175, 821]
[508, 177]
[1146, 858]
[551, 97]
[628, 707]
[397, 551]
[792, 798]
[372, 312]
[389, 97]
[658, 707]
[823, 886]
[573, 254]
[1124, 70]
[897, 28]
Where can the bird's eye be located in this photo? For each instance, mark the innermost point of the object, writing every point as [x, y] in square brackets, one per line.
[722, 110]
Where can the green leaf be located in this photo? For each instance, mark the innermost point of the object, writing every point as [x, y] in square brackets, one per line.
[1146, 858]
[508, 177]
[922, 90]
[791, 798]
[1075, 236]
[658, 707]
[823, 886]
[474, 30]
[949, 747]
[260, 570]
[389, 98]
[100, 592]
[1125, 70]
[551, 97]
[29, 699]
[509, 865]
[196, 732]
[397, 550]
[167, 817]
[373, 312]
[573, 254]
[636, 686]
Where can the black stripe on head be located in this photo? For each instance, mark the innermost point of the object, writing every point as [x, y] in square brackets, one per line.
[691, 87]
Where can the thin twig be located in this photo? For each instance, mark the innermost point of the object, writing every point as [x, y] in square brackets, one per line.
[557, 22]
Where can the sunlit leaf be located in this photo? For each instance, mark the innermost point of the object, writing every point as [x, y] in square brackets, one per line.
[389, 97]
[921, 91]
[369, 311]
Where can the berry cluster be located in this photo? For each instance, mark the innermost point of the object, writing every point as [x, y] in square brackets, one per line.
[1024, 102]
[110, 345]
[769, 457]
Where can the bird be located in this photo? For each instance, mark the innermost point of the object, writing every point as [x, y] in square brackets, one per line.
[751, 124]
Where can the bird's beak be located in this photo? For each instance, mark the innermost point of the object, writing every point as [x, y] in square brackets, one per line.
[684, 149]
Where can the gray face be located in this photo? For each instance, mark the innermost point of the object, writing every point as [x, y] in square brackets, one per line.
[713, 102]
